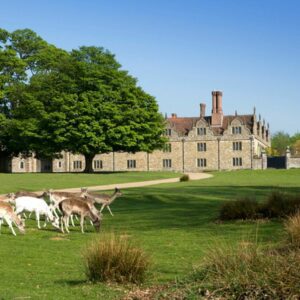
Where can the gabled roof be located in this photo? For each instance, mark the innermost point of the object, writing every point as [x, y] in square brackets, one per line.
[184, 125]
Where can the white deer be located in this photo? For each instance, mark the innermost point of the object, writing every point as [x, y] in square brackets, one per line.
[30, 194]
[37, 205]
[7, 213]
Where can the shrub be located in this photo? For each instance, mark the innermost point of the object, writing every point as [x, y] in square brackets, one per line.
[247, 272]
[115, 259]
[244, 208]
[280, 204]
[184, 177]
[292, 226]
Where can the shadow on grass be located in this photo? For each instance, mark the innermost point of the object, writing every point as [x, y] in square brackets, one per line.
[71, 282]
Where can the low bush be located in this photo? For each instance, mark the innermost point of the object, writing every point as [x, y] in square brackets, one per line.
[243, 272]
[292, 227]
[280, 205]
[243, 208]
[248, 272]
[115, 259]
[184, 177]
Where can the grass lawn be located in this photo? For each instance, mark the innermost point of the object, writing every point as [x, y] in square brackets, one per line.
[174, 223]
[39, 181]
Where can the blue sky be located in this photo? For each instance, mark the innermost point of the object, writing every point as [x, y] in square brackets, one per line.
[181, 50]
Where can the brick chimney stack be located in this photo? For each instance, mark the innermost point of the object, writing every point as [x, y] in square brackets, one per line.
[174, 116]
[217, 111]
[202, 110]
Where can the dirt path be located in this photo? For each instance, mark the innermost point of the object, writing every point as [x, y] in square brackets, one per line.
[193, 176]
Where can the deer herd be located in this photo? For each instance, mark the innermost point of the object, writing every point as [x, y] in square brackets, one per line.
[59, 210]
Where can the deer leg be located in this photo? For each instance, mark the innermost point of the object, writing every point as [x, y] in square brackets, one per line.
[102, 207]
[45, 224]
[81, 223]
[62, 224]
[66, 218]
[30, 215]
[72, 221]
[109, 210]
[53, 209]
[9, 223]
[37, 215]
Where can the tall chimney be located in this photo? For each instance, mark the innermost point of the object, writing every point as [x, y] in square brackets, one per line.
[202, 110]
[219, 102]
[217, 111]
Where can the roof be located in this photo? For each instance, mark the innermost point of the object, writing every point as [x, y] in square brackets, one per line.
[183, 125]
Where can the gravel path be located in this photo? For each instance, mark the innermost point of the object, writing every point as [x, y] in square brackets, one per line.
[193, 176]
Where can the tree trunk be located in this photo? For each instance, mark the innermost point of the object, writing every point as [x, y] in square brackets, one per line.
[88, 163]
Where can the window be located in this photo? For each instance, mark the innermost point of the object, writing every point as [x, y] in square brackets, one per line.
[167, 148]
[59, 164]
[21, 164]
[167, 163]
[237, 130]
[131, 164]
[77, 164]
[201, 147]
[168, 132]
[98, 164]
[201, 131]
[237, 146]
[237, 161]
[201, 162]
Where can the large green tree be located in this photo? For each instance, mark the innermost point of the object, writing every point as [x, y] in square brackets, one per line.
[79, 101]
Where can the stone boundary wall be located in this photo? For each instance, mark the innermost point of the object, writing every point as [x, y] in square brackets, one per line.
[292, 162]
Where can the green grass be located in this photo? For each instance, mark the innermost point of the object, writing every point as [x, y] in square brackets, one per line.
[174, 223]
[40, 181]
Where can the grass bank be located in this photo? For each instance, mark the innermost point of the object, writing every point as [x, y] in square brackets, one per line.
[39, 181]
[174, 223]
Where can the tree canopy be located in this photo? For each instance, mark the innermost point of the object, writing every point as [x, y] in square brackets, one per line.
[80, 101]
[280, 142]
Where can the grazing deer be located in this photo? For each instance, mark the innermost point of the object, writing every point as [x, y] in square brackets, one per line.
[75, 205]
[57, 197]
[30, 194]
[105, 200]
[7, 213]
[37, 205]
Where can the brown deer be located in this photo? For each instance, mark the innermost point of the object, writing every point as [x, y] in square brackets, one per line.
[75, 205]
[7, 213]
[56, 197]
[104, 199]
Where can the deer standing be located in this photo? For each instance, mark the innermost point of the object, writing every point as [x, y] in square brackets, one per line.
[57, 197]
[106, 200]
[74, 205]
[37, 205]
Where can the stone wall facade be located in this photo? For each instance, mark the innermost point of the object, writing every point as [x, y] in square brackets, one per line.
[291, 161]
[215, 142]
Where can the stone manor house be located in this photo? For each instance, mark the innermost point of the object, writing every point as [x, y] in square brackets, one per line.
[214, 142]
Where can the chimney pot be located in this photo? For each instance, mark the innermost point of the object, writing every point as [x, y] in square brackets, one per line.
[202, 110]
[174, 116]
[217, 111]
